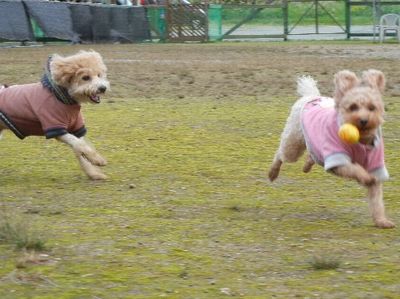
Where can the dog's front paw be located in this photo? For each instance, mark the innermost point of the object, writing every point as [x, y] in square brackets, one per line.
[367, 180]
[93, 157]
[97, 176]
[384, 223]
[98, 160]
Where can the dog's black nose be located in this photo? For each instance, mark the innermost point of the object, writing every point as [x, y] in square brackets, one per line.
[102, 89]
[363, 122]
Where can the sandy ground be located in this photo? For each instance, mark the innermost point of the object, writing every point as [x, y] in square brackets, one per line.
[254, 69]
[221, 70]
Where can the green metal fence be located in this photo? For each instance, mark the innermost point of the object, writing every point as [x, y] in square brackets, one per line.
[156, 18]
[215, 22]
[344, 14]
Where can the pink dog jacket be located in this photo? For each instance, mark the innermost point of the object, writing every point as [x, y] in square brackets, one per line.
[32, 109]
[320, 124]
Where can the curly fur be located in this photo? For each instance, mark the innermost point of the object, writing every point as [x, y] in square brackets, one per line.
[84, 76]
[358, 101]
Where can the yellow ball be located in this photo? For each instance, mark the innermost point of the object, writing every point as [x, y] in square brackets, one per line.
[349, 133]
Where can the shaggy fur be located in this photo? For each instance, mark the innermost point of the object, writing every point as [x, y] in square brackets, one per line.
[84, 77]
[357, 101]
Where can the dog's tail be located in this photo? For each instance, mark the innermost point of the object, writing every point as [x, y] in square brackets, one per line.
[307, 86]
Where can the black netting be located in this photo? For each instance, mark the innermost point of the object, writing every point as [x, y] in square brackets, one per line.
[101, 24]
[82, 21]
[129, 24]
[140, 23]
[54, 18]
[72, 21]
[14, 22]
[119, 24]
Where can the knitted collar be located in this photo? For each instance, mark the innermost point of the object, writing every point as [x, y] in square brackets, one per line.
[59, 92]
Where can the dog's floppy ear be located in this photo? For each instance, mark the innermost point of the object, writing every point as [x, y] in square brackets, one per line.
[62, 70]
[375, 79]
[344, 81]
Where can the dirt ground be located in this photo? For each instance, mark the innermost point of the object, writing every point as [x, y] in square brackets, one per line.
[217, 70]
[187, 211]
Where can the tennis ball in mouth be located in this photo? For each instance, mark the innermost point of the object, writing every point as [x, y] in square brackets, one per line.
[349, 133]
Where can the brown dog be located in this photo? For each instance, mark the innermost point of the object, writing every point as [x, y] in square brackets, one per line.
[51, 107]
[313, 125]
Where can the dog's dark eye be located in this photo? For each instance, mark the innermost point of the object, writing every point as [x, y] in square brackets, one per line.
[372, 108]
[353, 107]
[86, 78]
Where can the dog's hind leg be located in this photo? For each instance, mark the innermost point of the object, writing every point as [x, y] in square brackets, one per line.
[292, 144]
[275, 168]
[289, 151]
[2, 127]
[308, 164]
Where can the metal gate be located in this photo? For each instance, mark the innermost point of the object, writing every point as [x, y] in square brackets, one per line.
[186, 22]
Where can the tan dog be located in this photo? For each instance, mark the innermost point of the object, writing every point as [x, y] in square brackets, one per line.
[313, 125]
[51, 107]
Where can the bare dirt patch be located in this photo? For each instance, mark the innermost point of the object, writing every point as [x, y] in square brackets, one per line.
[216, 70]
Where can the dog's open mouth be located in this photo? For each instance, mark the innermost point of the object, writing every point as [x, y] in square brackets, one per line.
[365, 130]
[95, 98]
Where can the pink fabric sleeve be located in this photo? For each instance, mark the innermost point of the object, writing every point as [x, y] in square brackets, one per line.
[57, 118]
[78, 127]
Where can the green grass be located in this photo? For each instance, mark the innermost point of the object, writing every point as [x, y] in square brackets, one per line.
[18, 233]
[325, 262]
[187, 211]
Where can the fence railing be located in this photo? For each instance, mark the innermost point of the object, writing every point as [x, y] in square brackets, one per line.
[225, 19]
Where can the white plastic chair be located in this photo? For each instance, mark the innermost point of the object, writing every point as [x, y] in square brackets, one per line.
[389, 22]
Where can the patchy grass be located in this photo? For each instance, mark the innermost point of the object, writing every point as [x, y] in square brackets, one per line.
[19, 234]
[325, 262]
[187, 211]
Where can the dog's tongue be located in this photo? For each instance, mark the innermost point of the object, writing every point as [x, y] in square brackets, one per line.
[95, 98]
